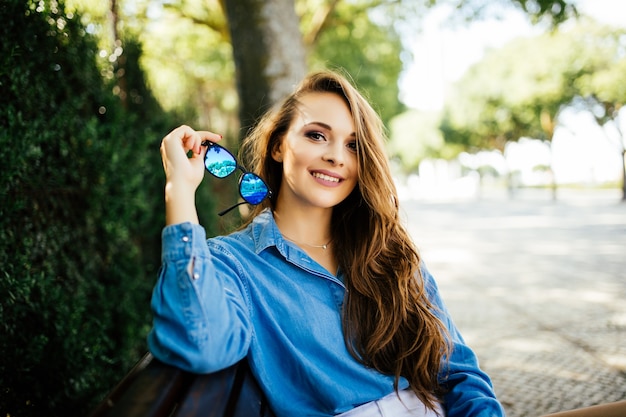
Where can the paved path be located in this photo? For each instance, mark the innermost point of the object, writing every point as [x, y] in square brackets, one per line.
[538, 288]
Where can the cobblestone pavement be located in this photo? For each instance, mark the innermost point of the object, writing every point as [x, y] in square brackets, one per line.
[538, 288]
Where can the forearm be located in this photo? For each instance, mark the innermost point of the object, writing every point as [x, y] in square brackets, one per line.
[180, 204]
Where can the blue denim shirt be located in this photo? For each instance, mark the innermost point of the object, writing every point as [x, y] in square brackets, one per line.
[253, 293]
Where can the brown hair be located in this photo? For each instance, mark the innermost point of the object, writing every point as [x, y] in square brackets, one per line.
[388, 322]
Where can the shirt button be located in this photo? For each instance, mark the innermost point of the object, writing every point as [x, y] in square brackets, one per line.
[196, 276]
[185, 238]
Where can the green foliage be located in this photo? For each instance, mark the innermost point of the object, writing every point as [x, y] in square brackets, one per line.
[551, 12]
[520, 89]
[369, 51]
[556, 11]
[80, 214]
[603, 88]
[188, 61]
[415, 135]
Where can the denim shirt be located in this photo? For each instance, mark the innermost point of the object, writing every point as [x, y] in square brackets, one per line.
[254, 294]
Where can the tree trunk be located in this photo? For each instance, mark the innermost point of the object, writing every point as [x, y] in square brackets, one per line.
[268, 53]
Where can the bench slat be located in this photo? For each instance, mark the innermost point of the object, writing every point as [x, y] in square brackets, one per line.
[209, 395]
[154, 389]
[251, 400]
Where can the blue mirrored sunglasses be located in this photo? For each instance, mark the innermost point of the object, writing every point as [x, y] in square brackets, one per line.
[221, 163]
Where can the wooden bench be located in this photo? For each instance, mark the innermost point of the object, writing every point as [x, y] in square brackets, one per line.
[154, 389]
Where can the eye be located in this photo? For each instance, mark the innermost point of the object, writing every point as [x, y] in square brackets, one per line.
[352, 146]
[315, 135]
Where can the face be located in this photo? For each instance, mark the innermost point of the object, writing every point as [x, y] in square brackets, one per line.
[318, 154]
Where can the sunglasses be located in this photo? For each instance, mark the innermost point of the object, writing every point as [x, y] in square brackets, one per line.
[221, 163]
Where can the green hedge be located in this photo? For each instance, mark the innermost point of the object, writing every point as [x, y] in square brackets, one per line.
[80, 214]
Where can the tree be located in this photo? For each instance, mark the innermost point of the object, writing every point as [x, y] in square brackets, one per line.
[269, 59]
[271, 54]
[552, 12]
[366, 49]
[268, 53]
[190, 37]
[603, 93]
[415, 135]
[520, 89]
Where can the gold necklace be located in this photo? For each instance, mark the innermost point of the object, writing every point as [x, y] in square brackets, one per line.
[324, 246]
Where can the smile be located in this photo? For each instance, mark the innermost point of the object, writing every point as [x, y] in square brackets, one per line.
[325, 177]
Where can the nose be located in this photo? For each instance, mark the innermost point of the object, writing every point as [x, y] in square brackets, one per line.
[334, 154]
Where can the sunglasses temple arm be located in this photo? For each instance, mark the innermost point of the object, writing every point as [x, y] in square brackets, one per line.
[221, 213]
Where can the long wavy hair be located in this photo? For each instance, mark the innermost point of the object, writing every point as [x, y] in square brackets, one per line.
[388, 322]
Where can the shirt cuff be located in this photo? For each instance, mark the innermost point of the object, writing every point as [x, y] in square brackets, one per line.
[183, 241]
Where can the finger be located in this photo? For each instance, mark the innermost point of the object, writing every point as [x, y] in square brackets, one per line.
[197, 139]
[177, 137]
[191, 139]
[175, 145]
[208, 136]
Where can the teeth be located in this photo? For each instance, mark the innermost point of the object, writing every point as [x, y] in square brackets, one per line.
[325, 177]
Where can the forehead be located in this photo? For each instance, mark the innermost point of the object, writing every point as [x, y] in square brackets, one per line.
[327, 108]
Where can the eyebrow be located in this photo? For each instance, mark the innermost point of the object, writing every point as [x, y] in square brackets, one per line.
[325, 126]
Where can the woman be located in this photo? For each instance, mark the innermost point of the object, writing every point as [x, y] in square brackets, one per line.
[322, 290]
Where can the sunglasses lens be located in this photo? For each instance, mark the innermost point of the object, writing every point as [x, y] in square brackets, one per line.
[219, 162]
[252, 188]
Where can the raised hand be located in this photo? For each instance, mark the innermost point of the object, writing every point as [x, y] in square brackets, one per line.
[182, 154]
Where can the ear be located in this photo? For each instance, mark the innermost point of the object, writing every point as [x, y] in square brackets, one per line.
[277, 153]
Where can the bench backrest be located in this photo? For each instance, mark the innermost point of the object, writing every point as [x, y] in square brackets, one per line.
[154, 389]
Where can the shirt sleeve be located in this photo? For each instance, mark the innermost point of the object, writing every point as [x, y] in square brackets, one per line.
[200, 318]
[469, 391]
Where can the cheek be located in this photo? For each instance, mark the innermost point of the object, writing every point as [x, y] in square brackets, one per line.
[297, 158]
[355, 184]
[293, 165]
[353, 165]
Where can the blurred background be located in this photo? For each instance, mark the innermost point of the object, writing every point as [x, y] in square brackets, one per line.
[488, 105]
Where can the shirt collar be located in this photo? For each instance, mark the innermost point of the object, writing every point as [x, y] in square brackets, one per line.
[265, 233]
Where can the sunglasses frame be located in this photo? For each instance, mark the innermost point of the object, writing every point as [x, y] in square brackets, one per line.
[244, 172]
